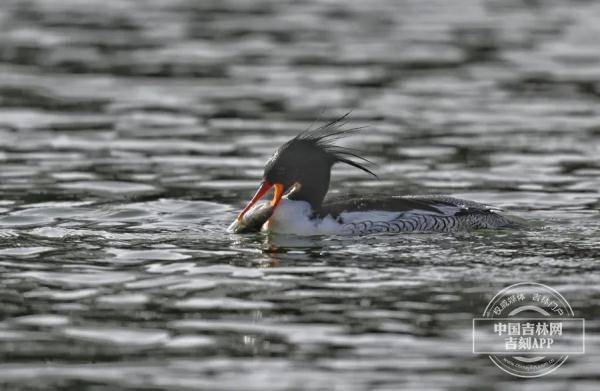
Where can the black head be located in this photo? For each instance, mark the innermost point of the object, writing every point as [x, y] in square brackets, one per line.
[306, 161]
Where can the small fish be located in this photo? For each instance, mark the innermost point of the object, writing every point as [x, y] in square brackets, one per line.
[253, 220]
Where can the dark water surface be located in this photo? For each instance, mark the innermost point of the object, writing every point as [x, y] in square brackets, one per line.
[132, 131]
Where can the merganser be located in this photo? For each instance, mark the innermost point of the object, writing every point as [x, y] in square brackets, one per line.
[300, 170]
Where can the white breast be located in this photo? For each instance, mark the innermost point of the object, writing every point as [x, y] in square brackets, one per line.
[293, 217]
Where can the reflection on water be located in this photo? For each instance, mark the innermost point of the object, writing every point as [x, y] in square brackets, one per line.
[131, 133]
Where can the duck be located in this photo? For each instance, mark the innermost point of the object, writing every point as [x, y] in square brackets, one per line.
[299, 172]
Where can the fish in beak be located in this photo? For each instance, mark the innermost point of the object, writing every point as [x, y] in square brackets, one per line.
[260, 193]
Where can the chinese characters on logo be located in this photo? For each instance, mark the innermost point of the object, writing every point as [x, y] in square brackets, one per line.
[527, 336]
